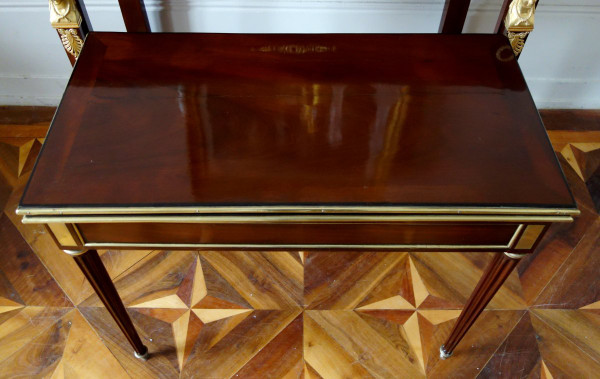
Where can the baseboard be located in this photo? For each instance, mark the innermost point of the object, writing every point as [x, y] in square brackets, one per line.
[548, 93]
[558, 62]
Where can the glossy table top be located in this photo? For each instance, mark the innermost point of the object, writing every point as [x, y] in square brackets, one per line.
[319, 120]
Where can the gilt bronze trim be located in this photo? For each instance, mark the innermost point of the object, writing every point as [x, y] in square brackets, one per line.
[325, 209]
[289, 219]
[514, 255]
[66, 19]
[241, 246]
[519, 22]
[75, 253]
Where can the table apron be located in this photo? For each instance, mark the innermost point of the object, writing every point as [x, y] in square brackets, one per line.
[425, 236]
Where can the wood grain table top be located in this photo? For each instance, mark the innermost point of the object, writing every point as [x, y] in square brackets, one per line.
[317, 122]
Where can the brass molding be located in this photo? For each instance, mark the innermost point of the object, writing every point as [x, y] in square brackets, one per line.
[66, 19]
[241, 246]
[75, 253]
[289, 219]
[78, 234]
[325, 209]
[515, 236]
[514, 255]
[519, 22]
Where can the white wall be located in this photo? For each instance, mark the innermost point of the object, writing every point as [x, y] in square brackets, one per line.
[560, 61]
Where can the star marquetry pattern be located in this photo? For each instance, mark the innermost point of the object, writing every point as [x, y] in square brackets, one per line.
[18, 155]
[316, 314]
[206, 306]
[584, 158]
[202, 301]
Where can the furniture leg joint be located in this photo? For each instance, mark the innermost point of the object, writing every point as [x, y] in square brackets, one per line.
[144, 356]
[75, 253]
[514, 255]
[443, 354]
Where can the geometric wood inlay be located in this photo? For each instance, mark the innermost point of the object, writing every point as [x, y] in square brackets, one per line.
[300, 313]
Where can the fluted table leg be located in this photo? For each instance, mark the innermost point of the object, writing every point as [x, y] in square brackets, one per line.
[91, 265]
[495, 274]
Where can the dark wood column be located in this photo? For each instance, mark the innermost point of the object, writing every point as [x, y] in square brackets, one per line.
[134, 15]
[454, 16]
[493, 278]
[91, 265]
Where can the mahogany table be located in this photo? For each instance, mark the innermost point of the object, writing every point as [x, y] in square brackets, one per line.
[222, 141]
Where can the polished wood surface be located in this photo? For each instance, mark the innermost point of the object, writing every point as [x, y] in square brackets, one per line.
[297, 119]
[543, 322]
[476, 236]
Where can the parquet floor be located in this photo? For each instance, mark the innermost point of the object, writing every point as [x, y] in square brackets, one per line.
[301, 314]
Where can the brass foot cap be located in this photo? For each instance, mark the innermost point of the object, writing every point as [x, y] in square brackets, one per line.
[144, 356]
[444, 354]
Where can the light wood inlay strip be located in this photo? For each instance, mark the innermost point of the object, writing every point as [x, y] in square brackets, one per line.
[62, 234]
[529, 236]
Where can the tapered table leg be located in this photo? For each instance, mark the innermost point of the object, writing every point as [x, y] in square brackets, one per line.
[91, 265]
[493, 278]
